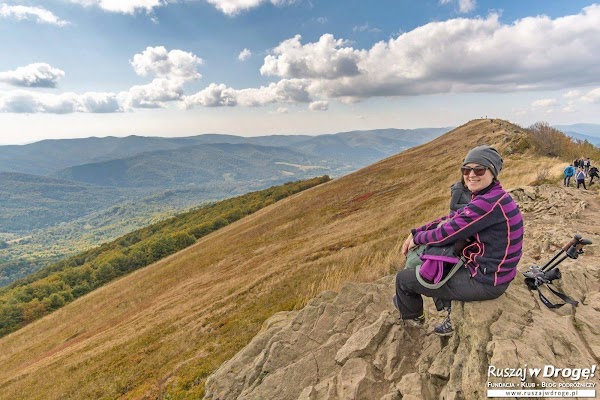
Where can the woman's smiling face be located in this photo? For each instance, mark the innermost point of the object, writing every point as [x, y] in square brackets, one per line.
[477, 183]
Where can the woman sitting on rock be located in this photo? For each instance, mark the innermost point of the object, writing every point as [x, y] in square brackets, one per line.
[489, 231]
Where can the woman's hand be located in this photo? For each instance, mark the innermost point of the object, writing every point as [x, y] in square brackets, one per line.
[409, 244]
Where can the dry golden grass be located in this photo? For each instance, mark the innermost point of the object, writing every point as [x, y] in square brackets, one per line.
[161, 330]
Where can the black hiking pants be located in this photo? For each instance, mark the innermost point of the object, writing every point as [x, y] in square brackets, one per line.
[581, 182]
[460, 287]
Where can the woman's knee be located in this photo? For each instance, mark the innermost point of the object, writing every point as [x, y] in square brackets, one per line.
[405, 278]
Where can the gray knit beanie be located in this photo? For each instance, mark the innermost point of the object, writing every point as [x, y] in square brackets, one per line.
[487, 156]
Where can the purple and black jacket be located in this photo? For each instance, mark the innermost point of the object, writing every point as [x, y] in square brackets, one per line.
[493, 221]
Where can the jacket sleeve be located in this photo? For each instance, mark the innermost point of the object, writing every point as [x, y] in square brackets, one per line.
[433, 224]
[476, 216]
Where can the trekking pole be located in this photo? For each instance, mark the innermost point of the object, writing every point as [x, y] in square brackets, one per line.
[536, 277]
[563, 258]
[575, 239]
[573, 249]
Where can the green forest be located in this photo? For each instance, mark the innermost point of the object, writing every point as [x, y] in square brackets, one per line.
[27, 252]
[30, 298]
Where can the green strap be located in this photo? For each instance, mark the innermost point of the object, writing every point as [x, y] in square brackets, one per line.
[438, 285]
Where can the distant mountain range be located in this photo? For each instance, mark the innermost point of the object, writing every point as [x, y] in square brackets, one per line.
[195, 165]
[584, 129]
[201, 164]
[56, 181]
[51, 156]
[589, 132]
[63, 196]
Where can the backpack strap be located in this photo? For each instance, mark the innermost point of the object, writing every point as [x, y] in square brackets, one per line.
[455, 268]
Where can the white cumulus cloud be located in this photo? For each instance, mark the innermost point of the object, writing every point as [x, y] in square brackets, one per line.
[284, 91]
[234, 7]
[365, 28]
[38, 14]
[464, 6]
[457, 55]
[319, 105]
[572, 94]
[544, 103]
[123, 6]
[33, 75]
[323, 59]
[174, 64]
[244, 55]
[593, 96]
[454, 56]
[154, 94]
[228, 7]
[213, 96]
[20, 101]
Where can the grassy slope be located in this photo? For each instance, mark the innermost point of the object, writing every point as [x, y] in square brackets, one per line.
[164, 328]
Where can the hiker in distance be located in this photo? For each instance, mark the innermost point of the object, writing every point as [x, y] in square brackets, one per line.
[580, 176]
[594, 174]
[586, 165]
[481, 244]
[569, 171]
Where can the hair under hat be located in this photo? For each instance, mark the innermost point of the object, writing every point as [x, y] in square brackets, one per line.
[487, 156]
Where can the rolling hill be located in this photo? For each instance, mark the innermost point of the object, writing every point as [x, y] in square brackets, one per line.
[196, 165]
[584, 129]
[595, 140]
[50, 156]
[32, 202]
[162, 330]
[238, 163]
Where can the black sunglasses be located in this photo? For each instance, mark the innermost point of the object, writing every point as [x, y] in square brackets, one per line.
[479, 170]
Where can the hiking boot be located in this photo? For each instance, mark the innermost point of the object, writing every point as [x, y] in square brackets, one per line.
[445, 328]
[418, 322]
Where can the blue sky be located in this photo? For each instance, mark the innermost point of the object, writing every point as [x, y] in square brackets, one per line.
[78, 68]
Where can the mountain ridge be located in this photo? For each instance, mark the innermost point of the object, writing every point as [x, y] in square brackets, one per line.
[582, 128]
[197, 164]
[163, 329]
[51, 155]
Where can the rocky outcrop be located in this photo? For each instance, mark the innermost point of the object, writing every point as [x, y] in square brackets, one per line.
[351, 345]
